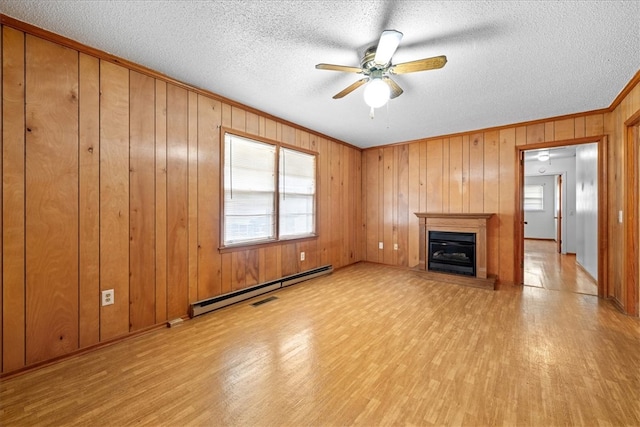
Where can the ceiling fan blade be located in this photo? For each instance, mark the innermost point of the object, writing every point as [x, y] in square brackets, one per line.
[396, 90]
[350, 88]
[344, 68]
[419, 65]
[389, 41]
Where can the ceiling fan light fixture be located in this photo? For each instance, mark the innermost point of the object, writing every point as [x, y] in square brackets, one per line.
[389, 41]
[377, 93]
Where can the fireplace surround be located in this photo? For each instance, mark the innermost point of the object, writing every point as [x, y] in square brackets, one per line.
[459, 243]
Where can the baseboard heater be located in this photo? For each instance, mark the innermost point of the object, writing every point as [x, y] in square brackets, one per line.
[210, 304]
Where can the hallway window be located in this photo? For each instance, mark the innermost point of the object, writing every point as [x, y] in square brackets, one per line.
[533, 197]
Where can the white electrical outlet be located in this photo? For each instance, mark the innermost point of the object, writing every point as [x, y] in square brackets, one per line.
[301, 256]
[108, 297]
[619, 217]
[380, 245]
[395, 246]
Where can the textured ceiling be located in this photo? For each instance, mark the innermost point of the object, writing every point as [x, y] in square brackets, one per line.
[508, 62]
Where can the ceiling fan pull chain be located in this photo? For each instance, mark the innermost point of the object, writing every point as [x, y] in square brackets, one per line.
[371, 113]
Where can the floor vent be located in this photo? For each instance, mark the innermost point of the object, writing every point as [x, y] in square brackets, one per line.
[210, 304]
[264, 301]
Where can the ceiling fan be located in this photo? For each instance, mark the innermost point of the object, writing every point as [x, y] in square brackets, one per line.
[377, 67]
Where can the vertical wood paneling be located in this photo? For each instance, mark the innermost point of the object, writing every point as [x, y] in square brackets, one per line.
[389, 203]
[114, 197]
[594, 125]
[415, 189]
[465, 173]
[177, 202]
[372, 193]
[290, 260]
[13, 193]
[521, 135]
[507, 204]
[238, 118]
[434, 176]
[193, 196]
[549, 131]
[402, 220]
[424, 195]
[142, 244]
[476, 173]
[183, 207]
[209, 261]
[355, 189]
[343, 238]
[51, 181]
[238, 263]
[252, 123]
[535, 133]
[446, 181]
[252, 267]
[270, 266]
[161, 201]
[579, 127]
[455, 175]
[287, 134]
[335, 199]
[492, 197]
[145, 175]
[1, 198]
[89, 199]
[564, 129]
[323, 219]
[302, 139]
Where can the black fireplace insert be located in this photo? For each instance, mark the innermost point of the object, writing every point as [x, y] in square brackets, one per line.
[452, 252]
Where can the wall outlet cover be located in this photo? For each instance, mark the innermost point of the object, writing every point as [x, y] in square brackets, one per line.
[108, 297]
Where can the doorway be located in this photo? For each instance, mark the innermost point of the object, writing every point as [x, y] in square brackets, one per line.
[570, 255]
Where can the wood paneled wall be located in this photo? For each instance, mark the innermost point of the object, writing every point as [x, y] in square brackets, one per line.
[616, 130]
[470, 172]
[111, 180]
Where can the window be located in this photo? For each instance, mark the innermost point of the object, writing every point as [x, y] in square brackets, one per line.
[533, 197]
[269, 191]
[297, 180]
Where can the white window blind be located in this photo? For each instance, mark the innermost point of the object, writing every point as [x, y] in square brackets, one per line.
[533, 197]
[249, 190]
[255, 173]
[297, 187]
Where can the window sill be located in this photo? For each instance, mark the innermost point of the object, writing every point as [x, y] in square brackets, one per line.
[263, 244]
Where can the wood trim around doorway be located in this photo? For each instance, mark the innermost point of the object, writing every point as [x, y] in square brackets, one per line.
[603, 241]
[631, 210]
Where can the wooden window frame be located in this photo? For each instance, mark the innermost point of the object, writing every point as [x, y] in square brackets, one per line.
[224, 248]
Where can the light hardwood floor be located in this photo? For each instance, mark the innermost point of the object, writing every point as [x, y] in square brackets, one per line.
[367, 345]
[545, 268]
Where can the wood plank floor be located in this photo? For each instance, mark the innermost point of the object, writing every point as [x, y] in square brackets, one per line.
[545, 268]
[367, 345]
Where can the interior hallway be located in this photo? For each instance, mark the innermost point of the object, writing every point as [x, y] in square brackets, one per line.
[366, 345]
[545, 268]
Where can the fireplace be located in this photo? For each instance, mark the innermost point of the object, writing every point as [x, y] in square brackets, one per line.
[453, 248]
[452, 252]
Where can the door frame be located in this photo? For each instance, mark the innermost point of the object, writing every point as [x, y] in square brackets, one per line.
[560, 212]
[603, 242]
[631, 210]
